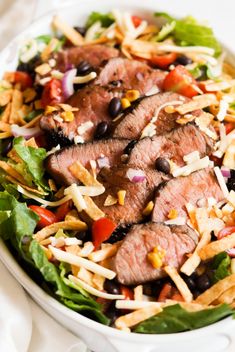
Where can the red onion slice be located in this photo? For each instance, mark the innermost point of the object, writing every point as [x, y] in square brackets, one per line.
[103, 162]
[226, 172]
[231, 252]
[27, 133]
[135, 175]
[67, 82]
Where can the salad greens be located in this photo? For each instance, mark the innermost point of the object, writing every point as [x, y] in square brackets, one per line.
[105, 19]
[188, 32]
[176, 319]
[221, 264]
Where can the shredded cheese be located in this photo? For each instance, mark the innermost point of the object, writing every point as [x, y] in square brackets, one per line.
[194, 166]
[221, 181]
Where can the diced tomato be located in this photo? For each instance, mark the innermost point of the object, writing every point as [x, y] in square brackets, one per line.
[41, 141]
[136, 20]
[102, 229]
[179, 80]
[52, 93]
[165, 293]
[63, 210]
[46, 216]
[23, 78]
[127, 293]
[163, 61]
[227, 231]
[177, 296]
[229, 126]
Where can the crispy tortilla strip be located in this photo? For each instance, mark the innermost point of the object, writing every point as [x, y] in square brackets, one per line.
[75, 249]
[98, 282]
[218, 86]
[30, 189]
[5, 97]
[72, 215]
[5, 127]
[45, 55]
[4, 135]
[228, 296]
[64, 225]
[81, 173]
[198, 102]
[92, 210]
[194, 260]
[6, 113]
[179, 282]
[17, 102]
[33, 122]
[11, 171]
[136, 317]
[104, 253]
[216, 247]
[75, 37]
[215, 291]
[229, 118]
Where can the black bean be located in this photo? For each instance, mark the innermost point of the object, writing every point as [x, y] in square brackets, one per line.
[190, 282]
[84, 68]
[183, 60]
[112, 313]
[196, 293]
[231, 184]
[203, 74]
[6, 146]
[162, 165]
[115, 107]
[83, 236]
[129, 147]
[101, 130]
[203, 282]
[81, 30]
[111, 287]
[119, 233]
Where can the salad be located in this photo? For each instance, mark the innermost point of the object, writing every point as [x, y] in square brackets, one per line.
[117, 159]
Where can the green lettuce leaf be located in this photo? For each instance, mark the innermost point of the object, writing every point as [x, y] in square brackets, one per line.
[106, 19]
[221, 264]
[176, 319]
[32, 169]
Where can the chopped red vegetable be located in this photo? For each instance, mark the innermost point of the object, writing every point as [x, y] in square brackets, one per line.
[165, 292]
[23, 78]
[127, 293]
[179, 80]
[229, 126]
[136, 20]
[63, 210]
[102, 229]
[227, 231]
[52, 93]
[163, 61]
[46, 216]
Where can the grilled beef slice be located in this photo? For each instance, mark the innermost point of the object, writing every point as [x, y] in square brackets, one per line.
[137, 194]
[57, 164]
[131, 263]
[177, 192]
[133, 123]
[94, 54]
[92, 102]
[130, 74]
[173, 145]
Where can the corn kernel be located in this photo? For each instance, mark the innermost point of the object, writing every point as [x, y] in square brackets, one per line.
[169, 109]
[125, 103]
[50, 109]
[156, 257]
[121, 197]
[67, 116]
[148, 209]
[132, 95]
[173, 214]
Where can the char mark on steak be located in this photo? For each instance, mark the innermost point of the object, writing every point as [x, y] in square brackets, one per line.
[131, 263]
[177, 192]
[173, 145]
[57, 164]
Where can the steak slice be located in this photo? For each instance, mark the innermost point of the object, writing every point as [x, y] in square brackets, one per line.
[92, 102]
[58, 163]
[131, 263]
[173, 145]
[94, 54]
[130, 74]
[133, 123]
[181, 190]
[137, 194]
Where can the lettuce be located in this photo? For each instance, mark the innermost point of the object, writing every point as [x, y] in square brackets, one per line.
[176, 319]
[188, 31]
[105, 19]
[221, 266]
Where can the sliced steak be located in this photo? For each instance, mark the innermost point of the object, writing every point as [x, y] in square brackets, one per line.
[92, 102]
[173, 145]
[177, 192]
[133, 123]
[130, 74]
[57, 164]
[137, 194]
[131, 263]
[94, 54]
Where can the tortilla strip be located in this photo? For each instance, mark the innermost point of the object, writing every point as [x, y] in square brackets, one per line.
[228, 296]
[194, 260]
[198, 102]
[6, 113]
[33, 122]
[5, 127]
[180, 283]
[5, 97]
[75, 37]
[216, 290]
[81, 173]
[33, 190]
[92, 210]
[64, 225]
[11, 171]
[17, 102]
[134, 318]
[216, 247]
